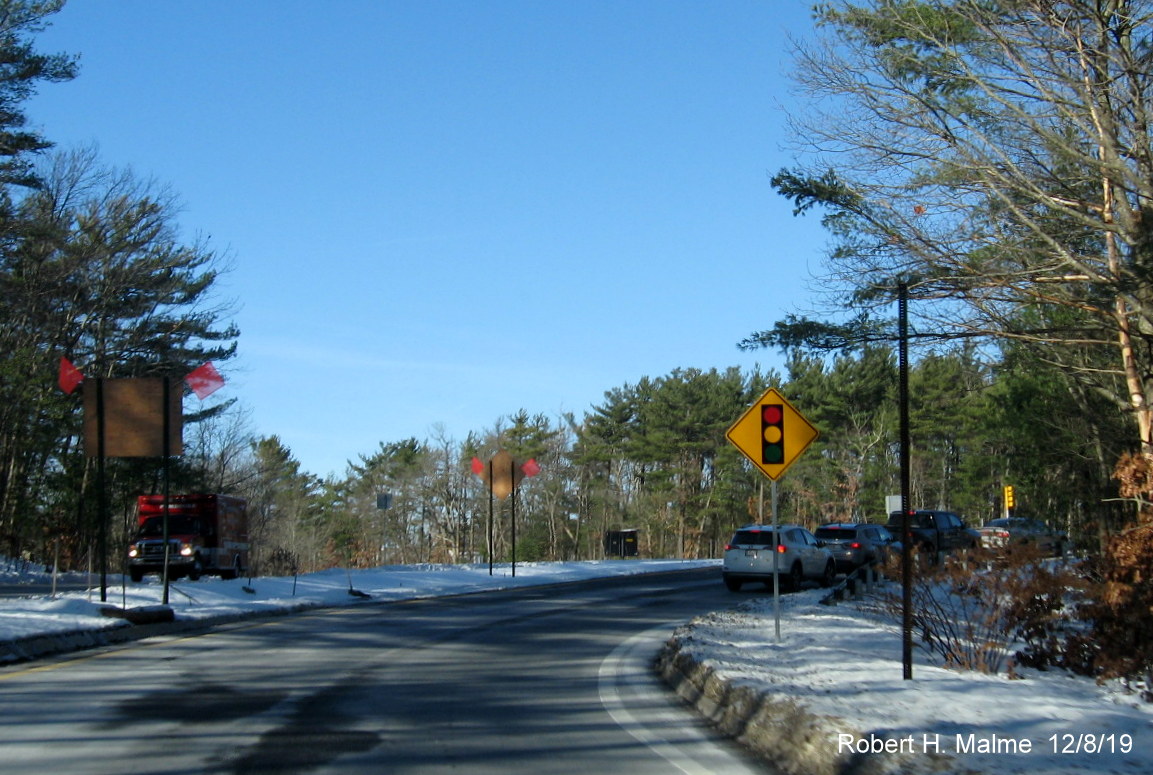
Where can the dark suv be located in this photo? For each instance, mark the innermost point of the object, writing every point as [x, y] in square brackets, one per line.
[935, 531]
[854, 545]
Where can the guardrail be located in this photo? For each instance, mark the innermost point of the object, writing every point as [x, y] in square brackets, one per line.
[857, 583]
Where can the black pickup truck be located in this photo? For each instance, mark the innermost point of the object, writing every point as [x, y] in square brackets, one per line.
[935, 531]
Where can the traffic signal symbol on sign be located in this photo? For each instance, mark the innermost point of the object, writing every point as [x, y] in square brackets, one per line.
[772, 434]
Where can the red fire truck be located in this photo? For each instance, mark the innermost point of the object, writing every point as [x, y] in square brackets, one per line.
[207, 534]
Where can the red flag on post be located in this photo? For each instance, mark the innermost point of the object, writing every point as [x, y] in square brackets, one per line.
[205, 380]
[70, 376]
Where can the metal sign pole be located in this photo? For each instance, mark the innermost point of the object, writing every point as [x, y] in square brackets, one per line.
[776, 570]
[906, 532]
[166, 440]
[491, 547]
[101, 495]
[512, 511]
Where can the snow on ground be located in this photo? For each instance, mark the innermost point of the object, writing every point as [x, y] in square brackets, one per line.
[210, 597]
[845, 663]
[838, 661]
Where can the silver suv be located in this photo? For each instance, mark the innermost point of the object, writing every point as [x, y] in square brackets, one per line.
[797, 555]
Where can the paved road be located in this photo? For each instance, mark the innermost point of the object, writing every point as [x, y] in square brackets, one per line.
[545, 680]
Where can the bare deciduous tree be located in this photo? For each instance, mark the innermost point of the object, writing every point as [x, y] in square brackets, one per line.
[996, 156]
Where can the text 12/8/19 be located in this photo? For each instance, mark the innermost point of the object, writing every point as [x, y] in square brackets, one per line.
[1091, 743]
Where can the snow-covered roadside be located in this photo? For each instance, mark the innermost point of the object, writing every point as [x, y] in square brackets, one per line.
[209, 598]
[835, 678]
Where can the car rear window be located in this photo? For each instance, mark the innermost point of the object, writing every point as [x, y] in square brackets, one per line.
[753, 538]
[836, 532]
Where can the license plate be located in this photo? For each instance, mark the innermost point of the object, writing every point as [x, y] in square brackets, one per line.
[750, 552]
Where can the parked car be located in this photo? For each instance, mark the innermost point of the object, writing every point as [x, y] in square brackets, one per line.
[998, 534]
[755, 554]
[853, 544]
[932, 531]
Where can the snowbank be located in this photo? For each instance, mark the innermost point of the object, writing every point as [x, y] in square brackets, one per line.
[829, 697]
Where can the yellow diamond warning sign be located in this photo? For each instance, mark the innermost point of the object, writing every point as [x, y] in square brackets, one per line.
[772, 434]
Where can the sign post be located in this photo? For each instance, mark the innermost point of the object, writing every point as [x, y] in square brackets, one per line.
[133, 417]
[772, 434]
[502, 476]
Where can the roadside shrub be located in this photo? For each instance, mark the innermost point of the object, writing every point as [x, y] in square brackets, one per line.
[1122, 614]
[279, 562]
[981, 611]
[1120, 611]
[989, 612]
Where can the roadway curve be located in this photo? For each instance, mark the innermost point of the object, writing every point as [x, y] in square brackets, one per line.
[540, 680]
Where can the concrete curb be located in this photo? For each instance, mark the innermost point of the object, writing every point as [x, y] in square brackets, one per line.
[27, 649]
[776, 728]
[133, 624]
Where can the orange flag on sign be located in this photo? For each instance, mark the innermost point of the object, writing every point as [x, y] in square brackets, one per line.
[205, 380]
[70, 376]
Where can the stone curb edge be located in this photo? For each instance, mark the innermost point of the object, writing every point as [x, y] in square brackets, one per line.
[36, 647]
[776, 728]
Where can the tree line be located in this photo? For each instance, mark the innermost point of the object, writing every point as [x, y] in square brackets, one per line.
[653, 456]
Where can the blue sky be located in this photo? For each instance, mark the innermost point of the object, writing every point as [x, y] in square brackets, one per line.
[440, 212]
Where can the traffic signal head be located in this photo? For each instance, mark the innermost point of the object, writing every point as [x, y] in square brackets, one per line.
[1010, 500]
[772, 434]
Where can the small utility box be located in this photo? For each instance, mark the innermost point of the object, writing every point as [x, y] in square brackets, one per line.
[621, 543]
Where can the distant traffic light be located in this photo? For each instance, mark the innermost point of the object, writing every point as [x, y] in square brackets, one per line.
[772, 434]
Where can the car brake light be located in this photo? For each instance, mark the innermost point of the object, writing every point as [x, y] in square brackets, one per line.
[855, 545]
[781, 549]
[729, 546]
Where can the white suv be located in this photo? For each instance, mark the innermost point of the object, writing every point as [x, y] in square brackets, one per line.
[798, 555]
